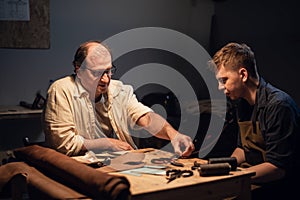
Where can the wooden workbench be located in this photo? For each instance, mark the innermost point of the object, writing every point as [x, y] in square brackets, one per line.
[155, 187]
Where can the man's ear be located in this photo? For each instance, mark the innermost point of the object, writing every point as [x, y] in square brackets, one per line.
[76, 69]
[244, 74]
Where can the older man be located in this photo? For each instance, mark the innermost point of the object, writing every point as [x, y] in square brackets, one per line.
[90, 111]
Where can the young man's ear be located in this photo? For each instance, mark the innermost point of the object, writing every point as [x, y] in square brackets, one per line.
[244, 74]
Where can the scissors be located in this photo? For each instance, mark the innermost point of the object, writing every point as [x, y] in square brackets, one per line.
[172, 174]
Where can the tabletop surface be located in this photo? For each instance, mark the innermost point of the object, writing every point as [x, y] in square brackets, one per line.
[149, 183]
[147, 186]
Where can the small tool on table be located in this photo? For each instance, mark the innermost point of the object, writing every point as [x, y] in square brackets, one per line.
[212, 169]
[172, 174]
[172, 161]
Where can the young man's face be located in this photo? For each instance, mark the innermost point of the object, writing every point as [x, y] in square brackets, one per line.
[231, 82]
[95, 71]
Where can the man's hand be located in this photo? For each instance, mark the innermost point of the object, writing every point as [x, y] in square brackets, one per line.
[160, 128]
[102, 144]
[183, 142]
[118, 145]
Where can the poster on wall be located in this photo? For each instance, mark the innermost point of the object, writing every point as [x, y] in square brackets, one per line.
[14, 10]
[24, 24]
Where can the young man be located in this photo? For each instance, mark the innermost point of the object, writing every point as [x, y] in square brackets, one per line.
[90, 111]
[268, 120]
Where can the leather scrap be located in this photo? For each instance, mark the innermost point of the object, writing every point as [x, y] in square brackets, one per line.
[130, 160]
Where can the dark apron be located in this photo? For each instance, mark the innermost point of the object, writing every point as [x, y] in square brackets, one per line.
[253, 144]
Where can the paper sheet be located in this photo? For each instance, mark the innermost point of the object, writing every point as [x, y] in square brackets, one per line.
[14, 10]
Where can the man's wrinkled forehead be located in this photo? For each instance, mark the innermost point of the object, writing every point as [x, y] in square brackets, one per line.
[98, 57]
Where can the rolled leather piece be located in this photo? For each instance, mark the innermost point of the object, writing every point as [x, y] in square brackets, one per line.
[76, 175]
[38, 186]
[216, 169]
[230, 160]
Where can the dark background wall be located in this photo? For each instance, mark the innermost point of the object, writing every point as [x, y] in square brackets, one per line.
[26, 71]
[271, 28]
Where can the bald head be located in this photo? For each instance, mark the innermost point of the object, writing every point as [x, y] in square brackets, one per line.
[92, 55]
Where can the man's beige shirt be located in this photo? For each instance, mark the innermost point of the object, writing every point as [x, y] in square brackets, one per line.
[69, 115]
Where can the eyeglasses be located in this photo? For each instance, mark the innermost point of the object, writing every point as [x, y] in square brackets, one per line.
[100, 73]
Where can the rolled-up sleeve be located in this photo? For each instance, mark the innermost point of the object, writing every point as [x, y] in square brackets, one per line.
[135, 108]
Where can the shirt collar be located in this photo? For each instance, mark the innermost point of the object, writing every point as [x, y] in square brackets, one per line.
[80, 91]
[261, 97]
[114, 88]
